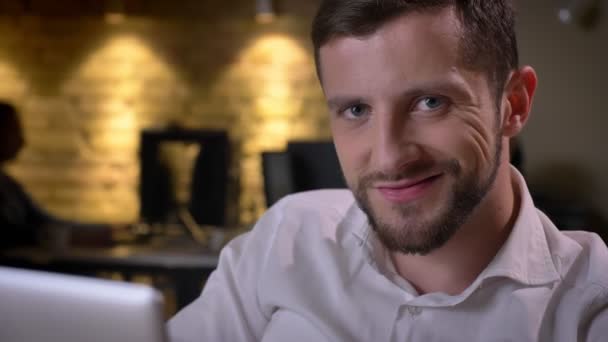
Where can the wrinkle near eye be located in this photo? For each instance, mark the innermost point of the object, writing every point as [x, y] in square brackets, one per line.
[480, 134]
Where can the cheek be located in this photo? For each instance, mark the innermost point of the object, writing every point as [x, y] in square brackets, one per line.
[468, 141]
[352, 156]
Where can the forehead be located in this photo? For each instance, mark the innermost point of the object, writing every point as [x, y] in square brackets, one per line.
[416, 41]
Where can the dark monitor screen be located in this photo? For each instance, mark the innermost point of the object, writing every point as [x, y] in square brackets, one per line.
[315, 165]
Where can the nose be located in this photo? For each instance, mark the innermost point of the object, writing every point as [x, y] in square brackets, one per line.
[394, 147]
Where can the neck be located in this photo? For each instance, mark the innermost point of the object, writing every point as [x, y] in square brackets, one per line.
[454, 266]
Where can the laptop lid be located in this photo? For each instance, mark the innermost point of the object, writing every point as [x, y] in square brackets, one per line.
[41, 306]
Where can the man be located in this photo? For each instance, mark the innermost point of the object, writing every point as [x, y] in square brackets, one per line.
[19, 216]
[22, 221]
[439, 239]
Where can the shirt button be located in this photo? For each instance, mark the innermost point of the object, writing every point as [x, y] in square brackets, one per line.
[414, 310]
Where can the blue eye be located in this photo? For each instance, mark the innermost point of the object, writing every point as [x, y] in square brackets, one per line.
[356, 111]
[430, 103]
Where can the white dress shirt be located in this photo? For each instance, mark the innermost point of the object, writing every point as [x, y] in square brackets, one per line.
[313, 270]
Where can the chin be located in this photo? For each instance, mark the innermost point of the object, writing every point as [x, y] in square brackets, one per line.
[418, 227]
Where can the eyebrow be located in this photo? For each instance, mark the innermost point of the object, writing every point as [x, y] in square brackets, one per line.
[454, 87]
[342, 101]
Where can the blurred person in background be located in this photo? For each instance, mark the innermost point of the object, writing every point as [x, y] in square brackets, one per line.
[22, 221]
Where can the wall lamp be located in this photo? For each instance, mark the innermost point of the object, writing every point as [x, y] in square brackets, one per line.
[264, 11]
[585, 13]
[114, 12]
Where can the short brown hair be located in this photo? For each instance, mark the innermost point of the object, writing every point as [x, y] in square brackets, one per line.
[488, 42]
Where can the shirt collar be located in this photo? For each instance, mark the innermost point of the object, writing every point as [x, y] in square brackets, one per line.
[525, 257]
[360, 225]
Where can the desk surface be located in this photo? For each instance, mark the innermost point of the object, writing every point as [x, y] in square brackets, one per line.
[184, 261]
[160, 254]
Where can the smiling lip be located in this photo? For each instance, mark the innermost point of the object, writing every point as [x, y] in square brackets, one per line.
[406, 191]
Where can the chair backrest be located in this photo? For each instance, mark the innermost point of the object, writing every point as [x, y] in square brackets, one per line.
[305, 165]
[315, 165]
[278, 177]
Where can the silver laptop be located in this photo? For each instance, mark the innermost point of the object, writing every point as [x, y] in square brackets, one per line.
[40, 306]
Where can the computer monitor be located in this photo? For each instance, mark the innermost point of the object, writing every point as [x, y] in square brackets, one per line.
[315, 165]
[208, 176]
[305, 165]
[41, 306]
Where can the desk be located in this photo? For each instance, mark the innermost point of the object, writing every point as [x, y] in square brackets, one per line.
[185, 263]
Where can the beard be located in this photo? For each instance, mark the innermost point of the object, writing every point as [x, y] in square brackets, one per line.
[412, 236]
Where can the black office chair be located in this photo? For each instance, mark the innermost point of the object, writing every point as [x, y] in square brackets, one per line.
[303, 166]
[566, 214]
[278, 177]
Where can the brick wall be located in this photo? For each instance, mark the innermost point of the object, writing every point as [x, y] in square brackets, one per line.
[85, 88]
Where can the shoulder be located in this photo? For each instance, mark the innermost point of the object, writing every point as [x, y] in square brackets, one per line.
[293, 235]
[579, 256]
[311, 213]
[9, 182]
[310, 237]
[592, 260]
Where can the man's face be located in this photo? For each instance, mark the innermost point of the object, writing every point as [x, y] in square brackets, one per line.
[416, 133]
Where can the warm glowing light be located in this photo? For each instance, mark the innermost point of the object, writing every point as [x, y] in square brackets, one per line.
[264, 11]
[270, 71]
[115, 12]
[270, 66]
[118, 71]
[113, 88]
[278, 58]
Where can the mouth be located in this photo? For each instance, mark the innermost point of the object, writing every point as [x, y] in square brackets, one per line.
[407, 190]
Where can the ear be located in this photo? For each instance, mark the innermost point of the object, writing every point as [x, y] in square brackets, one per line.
[517, 100]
